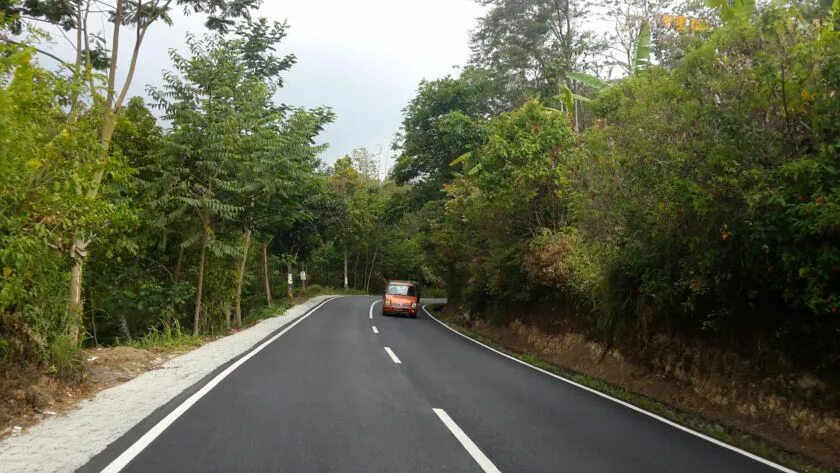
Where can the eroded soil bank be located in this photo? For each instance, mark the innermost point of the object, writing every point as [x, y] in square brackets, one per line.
[794, 411]
[29, 396]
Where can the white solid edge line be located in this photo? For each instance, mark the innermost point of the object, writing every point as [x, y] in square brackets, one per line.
[623, 403]
[374, 329]
[467, 443]
[129, 454]
[393, 356]
[370, 312]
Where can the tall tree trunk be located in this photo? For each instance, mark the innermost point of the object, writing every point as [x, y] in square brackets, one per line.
[200, 289]
[246, 243]
[265, 273]
[370, 272]
[345, 266]
[92, 317]
[74, 307]
[109, 122]
[355, 270]
[177, 278]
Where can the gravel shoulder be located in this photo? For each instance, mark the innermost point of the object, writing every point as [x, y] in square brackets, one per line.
[67, 442]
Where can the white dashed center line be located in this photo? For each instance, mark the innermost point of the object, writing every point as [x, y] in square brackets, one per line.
[393, 356]
[468, 444]
[374, 329]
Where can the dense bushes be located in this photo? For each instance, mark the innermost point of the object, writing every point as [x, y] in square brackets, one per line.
[704, 198]
[45, 161]
[165, 238]
[725, 201]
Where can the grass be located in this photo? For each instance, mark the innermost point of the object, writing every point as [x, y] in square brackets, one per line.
[434, 293]
[317, 290]
[66, 360]
[281, 305]
[728, 435]
[267, 312]
[171, 337]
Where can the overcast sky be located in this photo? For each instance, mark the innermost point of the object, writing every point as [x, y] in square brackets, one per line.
[363, 58]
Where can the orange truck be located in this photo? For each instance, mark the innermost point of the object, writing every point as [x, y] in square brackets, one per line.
[401, 298]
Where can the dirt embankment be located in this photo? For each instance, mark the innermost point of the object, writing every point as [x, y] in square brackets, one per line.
[795, 411]
[27, 397]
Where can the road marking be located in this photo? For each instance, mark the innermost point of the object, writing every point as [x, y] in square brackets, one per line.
[370, 312]
[393, 356]
[374, 329]
[467, 443]
[121, 461]
[623, 403]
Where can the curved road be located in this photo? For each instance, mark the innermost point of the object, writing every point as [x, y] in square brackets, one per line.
[327, 396]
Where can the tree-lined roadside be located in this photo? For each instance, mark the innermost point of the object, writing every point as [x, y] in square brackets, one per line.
[677, 179]
[687, 205]
[195, 225]
[140, 383]
[115, 229]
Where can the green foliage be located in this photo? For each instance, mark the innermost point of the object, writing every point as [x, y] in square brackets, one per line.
[641, 58]
[65, 359]
[267, 312]
[440, 124]
[231, 160]
[169, 337]
[732, 9]
[492, 213]
[47, 159]
[724, 197]
[596, 83]
[530, 45]
[703, 200]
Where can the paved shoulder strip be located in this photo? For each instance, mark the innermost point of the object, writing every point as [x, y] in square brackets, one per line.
[467, 443]
[623, 403]
[121, 461]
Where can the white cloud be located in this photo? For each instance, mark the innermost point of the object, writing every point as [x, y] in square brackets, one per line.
[364, 58]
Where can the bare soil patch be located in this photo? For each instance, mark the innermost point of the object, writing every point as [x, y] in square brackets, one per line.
[27, 395]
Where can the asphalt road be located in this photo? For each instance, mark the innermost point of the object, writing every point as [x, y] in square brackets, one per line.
[327, 396]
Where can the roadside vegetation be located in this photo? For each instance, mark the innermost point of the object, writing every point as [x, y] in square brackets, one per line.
[674, 183]
[671, 199]
[158, 222]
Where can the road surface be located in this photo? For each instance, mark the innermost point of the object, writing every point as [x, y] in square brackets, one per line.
[347, 390]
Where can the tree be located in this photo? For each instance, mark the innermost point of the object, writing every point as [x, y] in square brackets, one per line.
[513, 192]
[216, 111]
[46, 164]
[94, 51]
[532, 44]
[346, 182]
[440, 124]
